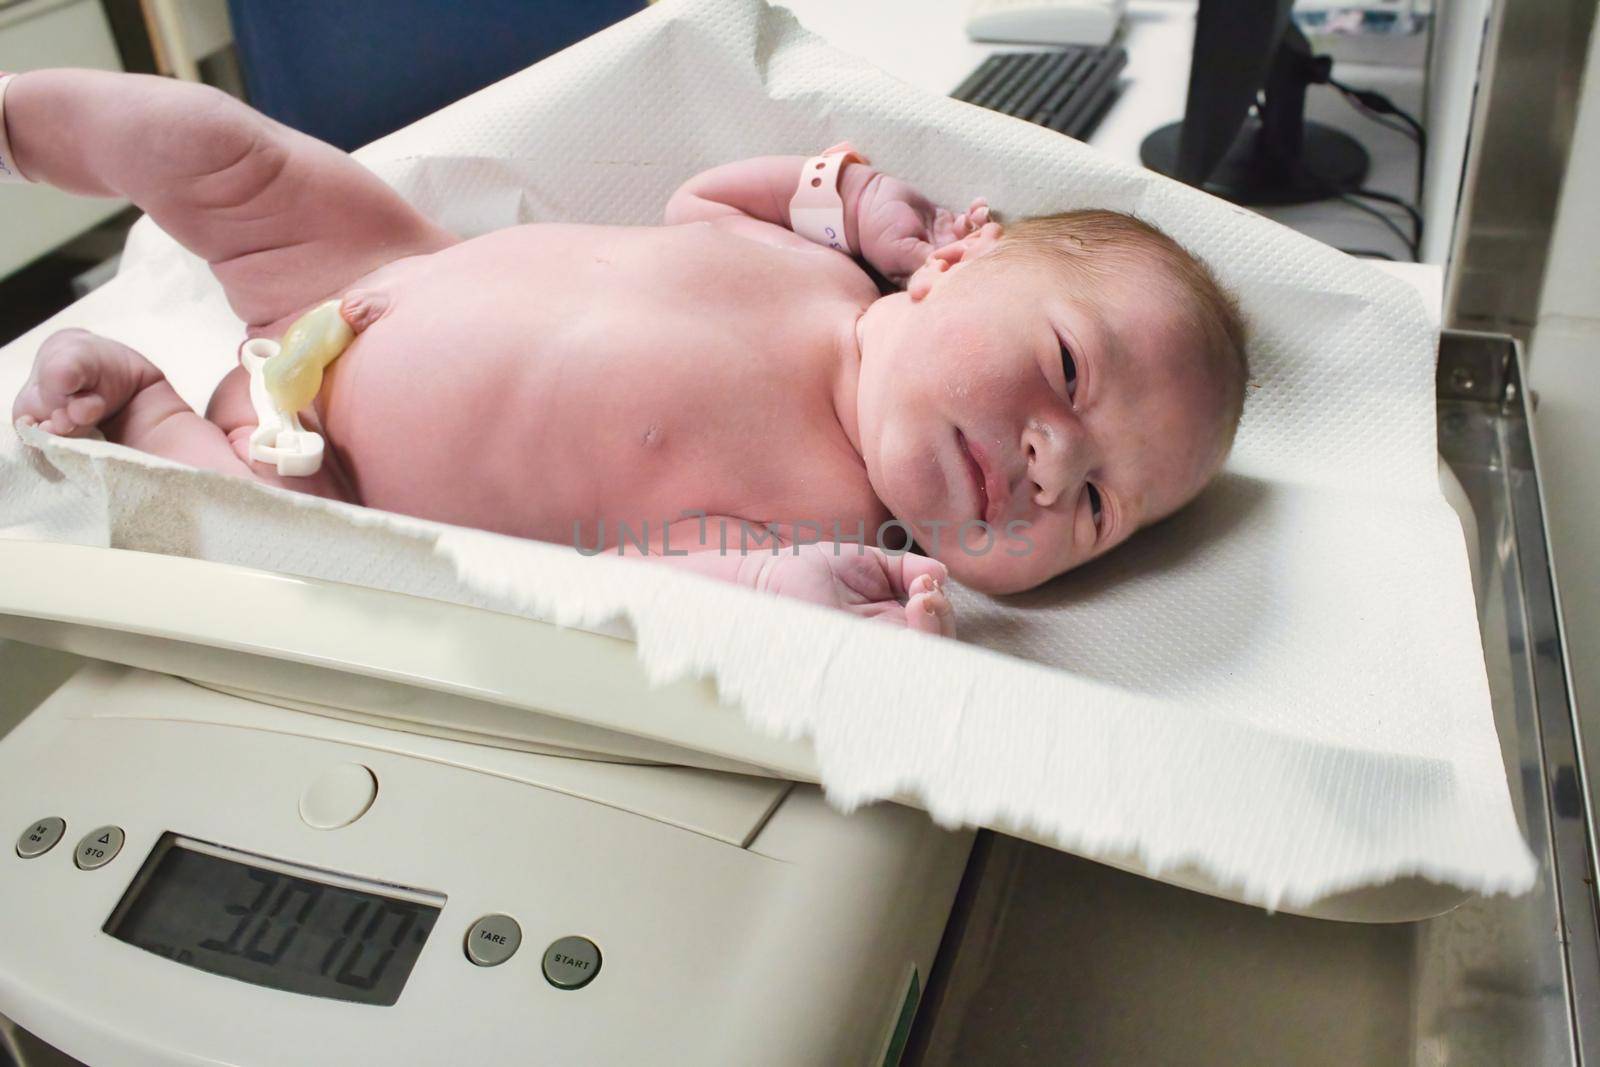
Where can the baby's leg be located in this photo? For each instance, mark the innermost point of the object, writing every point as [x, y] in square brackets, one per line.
[81, 381]
[284, 220]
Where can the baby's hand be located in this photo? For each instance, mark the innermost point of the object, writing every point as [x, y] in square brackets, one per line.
[906, 590]
[898, 228]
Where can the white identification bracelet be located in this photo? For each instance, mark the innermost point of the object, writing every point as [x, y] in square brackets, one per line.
[816, 212]
[9, 171]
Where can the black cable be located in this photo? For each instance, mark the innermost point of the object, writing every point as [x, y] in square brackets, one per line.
[1392, 226]
[1375, 101]
[1404, 131]
[1354, 197]
[1367, 253]
[1406, 206]
[1376, 106]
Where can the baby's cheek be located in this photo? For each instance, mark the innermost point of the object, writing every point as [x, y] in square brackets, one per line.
[910, 486]
[969, 351]
[1012, 560]
[1037, 552]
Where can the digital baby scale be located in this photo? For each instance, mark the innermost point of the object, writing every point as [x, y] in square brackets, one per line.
[205, 865]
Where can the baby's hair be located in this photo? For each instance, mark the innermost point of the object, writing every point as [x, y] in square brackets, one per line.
[1094, 242]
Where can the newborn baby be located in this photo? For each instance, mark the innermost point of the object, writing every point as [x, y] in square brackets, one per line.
[705, 391]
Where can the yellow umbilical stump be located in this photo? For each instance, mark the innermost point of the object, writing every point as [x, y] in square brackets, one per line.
[293, 377]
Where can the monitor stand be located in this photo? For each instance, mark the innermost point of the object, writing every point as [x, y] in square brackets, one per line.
[1278, 156]
[1329, 162]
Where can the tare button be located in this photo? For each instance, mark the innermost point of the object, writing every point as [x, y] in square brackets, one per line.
[493, 939]
[40, 837]
[98, 848]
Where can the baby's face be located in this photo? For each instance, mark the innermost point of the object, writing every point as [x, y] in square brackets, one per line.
[1002, 403]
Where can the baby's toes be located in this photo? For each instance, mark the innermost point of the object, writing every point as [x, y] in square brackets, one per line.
[86, 409]
[66, 394]
[29, 406]
[68, 416]
[930, 611]
[34, 407]
[59, 423]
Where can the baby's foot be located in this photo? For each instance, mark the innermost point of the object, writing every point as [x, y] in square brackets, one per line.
[79, 380]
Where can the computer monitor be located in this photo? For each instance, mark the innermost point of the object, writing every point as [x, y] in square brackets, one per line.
[1244, 135]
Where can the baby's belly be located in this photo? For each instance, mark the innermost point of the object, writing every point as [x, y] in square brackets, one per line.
[434, 411]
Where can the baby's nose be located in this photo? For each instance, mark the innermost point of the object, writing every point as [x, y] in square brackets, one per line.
[1051, 454]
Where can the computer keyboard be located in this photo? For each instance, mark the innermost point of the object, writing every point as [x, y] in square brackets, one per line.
[1064, 89]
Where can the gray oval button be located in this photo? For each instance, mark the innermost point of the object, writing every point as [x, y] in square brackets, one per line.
[493, 939]
[40, 837]
[98, 848]
[571, 963]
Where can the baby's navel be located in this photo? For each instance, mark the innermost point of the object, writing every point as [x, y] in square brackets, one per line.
[651, 438]
[363, 307]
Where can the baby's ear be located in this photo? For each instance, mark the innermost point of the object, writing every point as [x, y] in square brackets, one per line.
[940, 261]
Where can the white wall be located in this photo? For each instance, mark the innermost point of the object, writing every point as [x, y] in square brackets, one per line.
[1564, 362]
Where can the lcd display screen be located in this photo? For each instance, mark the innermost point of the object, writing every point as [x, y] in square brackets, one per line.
[274, 924]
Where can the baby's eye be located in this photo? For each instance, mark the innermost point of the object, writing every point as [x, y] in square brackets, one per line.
[1069, 368]
[1094, 505]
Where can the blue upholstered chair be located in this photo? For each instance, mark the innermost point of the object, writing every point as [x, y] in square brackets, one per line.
[350, 71]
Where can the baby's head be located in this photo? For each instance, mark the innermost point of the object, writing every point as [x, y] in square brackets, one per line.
[1046, 389]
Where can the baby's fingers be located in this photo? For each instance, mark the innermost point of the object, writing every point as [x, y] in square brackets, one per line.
[965, 223]
[910, 573]
[903, 257]
[929, 610]
[973, 219]
[945, 227]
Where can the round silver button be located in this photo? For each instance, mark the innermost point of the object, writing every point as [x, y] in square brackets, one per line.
[571, 963]
[40, 837]
[98, 848]
[493, 939]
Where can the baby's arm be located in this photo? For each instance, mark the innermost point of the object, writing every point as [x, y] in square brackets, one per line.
[761, 188]
[886, 222]
[282, 218]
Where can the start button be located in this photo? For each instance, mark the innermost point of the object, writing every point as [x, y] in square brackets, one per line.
[571, 962]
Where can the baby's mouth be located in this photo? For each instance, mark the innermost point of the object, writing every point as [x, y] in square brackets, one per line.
[976, 472]
[993, 491]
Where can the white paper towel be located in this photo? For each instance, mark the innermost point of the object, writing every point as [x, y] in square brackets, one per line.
[1281, 687]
